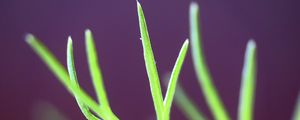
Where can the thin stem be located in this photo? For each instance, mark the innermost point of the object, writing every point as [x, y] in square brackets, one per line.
[174, 77]
[248, 83]
[202, 72]
[74, 81]
[151, 66]
[96, 73]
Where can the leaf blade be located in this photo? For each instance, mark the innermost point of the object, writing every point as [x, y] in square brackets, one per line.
[50, 60]
[174, 77]
[73, 77]
[96, 74]
[202, 72]
[150, 65]
[248, 83]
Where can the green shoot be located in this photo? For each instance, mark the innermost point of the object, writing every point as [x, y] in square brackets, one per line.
[205, 81]
[93, 110]
[247, 95]
[174, 76]
[50, 60]
[162, 107]
[96, 72]
[74, 81]
[150, 65]
[296, 115]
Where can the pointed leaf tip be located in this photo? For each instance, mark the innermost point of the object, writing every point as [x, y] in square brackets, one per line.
[186, 42]
[194, 6]
[138, 3]
[70, 42]
[251, 44]
[87, 32]
[29, 38]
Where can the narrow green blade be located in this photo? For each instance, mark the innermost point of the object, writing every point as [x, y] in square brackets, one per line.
[174, 77]
[296, 115]
[248, 83]
[96, 74]
[95, 69]
[205, 81]
[74, 81]
[50, 60]
[60, 72]
[150, 65]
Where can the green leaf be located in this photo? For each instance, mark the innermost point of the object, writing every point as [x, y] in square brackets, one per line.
[204, 78]
[248, 83]
[162, 107]
[174, 77]
[60, 72]
[150, 65]
[73, 77]
[96, 74]
[50, 60]
[296, 115]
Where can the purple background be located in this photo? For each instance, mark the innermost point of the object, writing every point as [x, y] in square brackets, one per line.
[226, 27]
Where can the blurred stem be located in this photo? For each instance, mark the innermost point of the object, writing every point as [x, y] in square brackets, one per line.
[248, 83]
[204, 78]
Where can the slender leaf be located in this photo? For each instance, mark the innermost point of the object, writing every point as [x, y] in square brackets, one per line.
[50, 60]
[174, 77]
[73, 77]
[248, 83]
[95, 69]
[204, 78]
[96, 74]
[150, 65]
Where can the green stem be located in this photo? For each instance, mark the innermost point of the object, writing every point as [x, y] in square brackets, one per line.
[151, 66]
[245, 111]
[96, 74]
[205, 81]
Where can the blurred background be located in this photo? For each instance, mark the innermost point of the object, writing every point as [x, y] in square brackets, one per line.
[28, 88]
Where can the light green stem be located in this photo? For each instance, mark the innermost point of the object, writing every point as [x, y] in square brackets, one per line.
[205, 81]
[151, 66]
[245, 111]
[96, 74]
